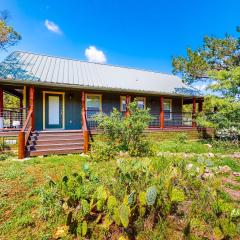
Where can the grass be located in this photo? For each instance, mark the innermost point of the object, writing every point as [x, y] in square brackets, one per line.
[21, 183]
[201, 146]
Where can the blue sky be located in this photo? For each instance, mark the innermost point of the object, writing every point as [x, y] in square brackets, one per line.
[136, 33]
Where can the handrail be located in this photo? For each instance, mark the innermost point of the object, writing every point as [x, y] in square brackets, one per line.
[22, 137]
[85, 132]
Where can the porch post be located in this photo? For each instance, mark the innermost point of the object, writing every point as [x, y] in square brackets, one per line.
[194, 112]
[84, 123]
[1, 107]
[31, 105]
[161, 117]
[21, 111]
[200, 104]
[127, 103]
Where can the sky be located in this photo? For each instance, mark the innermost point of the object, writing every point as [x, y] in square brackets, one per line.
[142, 34]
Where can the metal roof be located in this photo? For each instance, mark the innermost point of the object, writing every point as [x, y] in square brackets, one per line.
[42, 69]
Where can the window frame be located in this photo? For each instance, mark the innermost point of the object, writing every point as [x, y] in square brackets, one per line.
[121, 106]
[170, 101]
[144, 100]
[93, 94]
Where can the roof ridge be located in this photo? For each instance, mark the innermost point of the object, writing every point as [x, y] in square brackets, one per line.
[104, 64]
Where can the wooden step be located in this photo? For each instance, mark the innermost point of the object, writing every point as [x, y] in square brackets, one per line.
[55, 141]
[56, 151]
[62, 136]
[56, 146]
[57, 132]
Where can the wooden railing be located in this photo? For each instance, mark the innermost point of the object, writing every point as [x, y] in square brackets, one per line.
[85, 132]
[24, 134]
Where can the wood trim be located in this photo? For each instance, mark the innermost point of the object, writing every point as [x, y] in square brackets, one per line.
[32, 105]
[93, 94]
[171, 108]
[121, 108]
[1, 102]
[44, 108]
[161, 112]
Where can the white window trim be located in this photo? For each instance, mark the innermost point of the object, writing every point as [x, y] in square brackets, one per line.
[93, 94]
[142, 98]
[121, 107]
[170, 118]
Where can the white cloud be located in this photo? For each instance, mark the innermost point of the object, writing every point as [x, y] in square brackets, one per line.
[52, 27]
[94, 55]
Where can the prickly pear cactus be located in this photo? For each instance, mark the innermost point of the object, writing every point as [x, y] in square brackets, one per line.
[142, 197]
[132, 198]
[124, 214]
[151, 195]
[84, 228]
[111, 203]
[85, 207]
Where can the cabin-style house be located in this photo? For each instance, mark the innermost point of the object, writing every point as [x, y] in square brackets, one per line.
[59, 97]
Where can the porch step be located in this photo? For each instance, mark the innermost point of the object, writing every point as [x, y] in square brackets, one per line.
[43, 143]
[55, 151]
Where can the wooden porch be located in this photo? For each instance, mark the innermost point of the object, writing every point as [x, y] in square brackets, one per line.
[31, 142]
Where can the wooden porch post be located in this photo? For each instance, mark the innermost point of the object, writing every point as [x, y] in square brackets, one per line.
[127, 103]
[21, 111]
[84, 123]
[161, 117]
[200, 105]
[21, 145]
[31, 105]
[194, 112]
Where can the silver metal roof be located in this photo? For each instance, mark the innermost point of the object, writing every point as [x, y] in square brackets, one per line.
[41, 69]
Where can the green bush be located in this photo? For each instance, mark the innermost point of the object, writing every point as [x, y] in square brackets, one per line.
[123, 134]
[181, 137]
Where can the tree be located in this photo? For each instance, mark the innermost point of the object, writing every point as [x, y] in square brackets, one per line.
[8, 36]
[216, 62]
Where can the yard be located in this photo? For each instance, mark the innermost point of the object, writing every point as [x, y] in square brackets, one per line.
[187, 191]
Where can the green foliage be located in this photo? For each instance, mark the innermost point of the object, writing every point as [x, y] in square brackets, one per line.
[123, 134]
[177, 195]
[8, 36]
[181, 137]
[217, 63]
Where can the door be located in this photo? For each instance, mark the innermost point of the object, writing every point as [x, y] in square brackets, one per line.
[54, 110]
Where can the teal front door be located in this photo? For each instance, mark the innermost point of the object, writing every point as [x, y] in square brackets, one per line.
[53, 111]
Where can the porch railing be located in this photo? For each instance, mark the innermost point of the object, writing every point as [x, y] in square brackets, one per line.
[171, 119]
[12, 118]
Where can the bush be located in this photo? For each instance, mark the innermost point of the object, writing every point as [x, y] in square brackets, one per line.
[181, 137]
[123, 134]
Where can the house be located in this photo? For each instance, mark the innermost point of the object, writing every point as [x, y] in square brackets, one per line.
[59, 96]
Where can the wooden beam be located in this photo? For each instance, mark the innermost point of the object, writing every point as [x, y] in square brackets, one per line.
[21, 145]
[32, 105]
[128, 100]
[194, 112]
[84, 125]
[161, 117]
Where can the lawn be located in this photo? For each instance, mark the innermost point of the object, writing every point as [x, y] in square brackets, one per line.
[181, 202]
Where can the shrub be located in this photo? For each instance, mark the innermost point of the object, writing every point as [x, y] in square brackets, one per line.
[181, 137]
[123, 134]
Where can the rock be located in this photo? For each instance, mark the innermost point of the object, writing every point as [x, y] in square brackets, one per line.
[189, 166]
[207, 170]
[211, 155]
[236, 155]
[224, 169]
[236, 174]
[208, 145]
[207, 175]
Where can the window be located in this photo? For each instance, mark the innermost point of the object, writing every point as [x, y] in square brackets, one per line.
[123, 105]
[94, 102]
[141, 102]
[167, 105]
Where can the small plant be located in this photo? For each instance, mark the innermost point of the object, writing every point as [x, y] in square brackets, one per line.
[181, 137]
